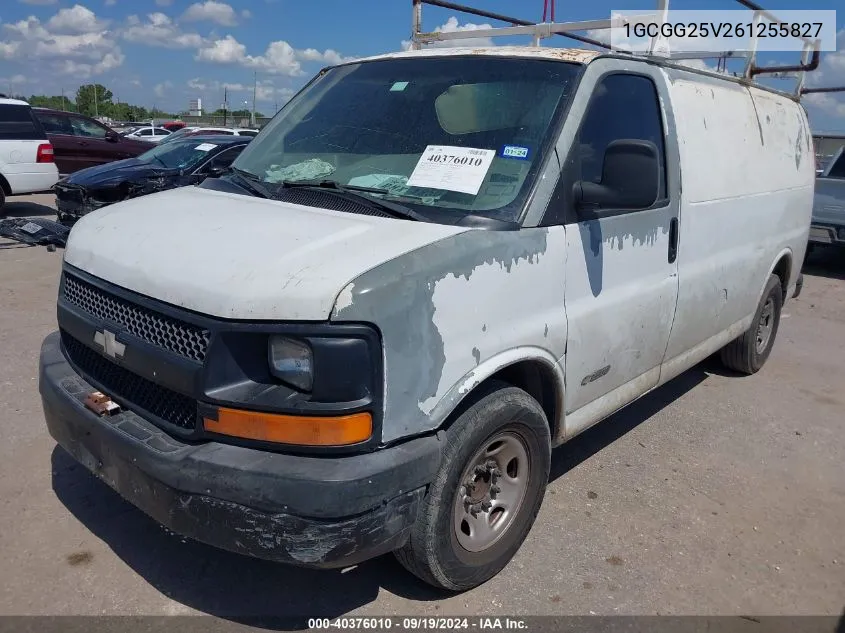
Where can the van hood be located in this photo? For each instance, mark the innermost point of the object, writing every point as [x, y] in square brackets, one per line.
[238, 257]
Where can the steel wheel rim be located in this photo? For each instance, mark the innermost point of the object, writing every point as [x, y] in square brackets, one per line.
[765, 325]
[491, 491]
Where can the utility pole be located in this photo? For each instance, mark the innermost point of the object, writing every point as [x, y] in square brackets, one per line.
[254, 86]
[64, 108]
[225, 97]
[96, 106]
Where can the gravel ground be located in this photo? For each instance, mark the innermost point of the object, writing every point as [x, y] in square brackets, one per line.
[715, 494]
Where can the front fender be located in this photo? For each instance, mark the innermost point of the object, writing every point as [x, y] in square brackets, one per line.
[453, 310]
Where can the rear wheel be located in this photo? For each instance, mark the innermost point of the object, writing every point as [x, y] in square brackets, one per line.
[487, 493]
[749, 352]
[2, 202]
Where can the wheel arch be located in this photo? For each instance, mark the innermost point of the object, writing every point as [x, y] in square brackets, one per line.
[532, 369]
[5, 186]
[782, 267]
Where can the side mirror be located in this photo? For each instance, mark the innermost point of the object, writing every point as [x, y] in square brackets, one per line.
[215, 171]
[112, 136]
[630, 179]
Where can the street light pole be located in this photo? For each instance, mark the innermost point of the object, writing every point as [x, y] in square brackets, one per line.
[254, 86]
[96, 107]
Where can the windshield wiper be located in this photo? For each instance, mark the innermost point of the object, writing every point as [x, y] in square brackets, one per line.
[359, 194]
[332, 184]
[251, 181]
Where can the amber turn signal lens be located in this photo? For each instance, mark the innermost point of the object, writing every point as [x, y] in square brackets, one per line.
[338, 430]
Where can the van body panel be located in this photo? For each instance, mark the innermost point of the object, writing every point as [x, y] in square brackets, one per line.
[447, 307]
[621, 286]
[742, 208]
[258, 259]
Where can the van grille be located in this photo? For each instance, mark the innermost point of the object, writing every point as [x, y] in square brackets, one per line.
[126, 386]
[153, 327]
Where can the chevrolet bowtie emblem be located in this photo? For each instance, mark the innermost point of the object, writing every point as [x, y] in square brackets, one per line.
[111, 346]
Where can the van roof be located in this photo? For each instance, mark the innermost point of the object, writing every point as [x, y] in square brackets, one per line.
[6, 101]
[578, 55]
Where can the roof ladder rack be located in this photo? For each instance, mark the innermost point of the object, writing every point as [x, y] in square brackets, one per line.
[810, 55]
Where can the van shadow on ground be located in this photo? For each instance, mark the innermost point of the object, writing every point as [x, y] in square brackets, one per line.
[275, 596]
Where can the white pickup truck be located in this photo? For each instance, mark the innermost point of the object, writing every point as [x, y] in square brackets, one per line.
[427, 271]
[828, 221]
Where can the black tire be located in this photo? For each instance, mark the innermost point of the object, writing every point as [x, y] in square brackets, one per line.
[2, 202]
[745, 354]
[433, 552]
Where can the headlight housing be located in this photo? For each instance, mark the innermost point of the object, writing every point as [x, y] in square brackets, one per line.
[292, 362]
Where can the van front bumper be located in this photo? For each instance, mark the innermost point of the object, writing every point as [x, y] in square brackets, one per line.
[307, 511]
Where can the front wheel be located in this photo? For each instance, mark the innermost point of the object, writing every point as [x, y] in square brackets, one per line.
[749, 352]
[486, 495]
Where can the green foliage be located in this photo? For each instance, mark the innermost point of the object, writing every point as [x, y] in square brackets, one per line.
[94, 100]
[97, 100]
[56, 102]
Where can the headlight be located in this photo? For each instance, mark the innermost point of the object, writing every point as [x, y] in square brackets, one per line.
[292, 361]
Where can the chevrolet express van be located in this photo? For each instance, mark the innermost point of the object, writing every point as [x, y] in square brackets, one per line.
[429, 270]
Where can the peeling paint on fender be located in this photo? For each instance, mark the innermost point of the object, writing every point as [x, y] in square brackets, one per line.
[432, 306]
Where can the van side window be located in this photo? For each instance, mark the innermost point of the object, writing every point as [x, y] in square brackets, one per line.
[622, 107]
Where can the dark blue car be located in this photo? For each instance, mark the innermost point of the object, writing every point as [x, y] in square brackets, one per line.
[184, 162]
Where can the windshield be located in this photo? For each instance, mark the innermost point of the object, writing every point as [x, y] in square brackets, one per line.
[464, 133]
[179, 154]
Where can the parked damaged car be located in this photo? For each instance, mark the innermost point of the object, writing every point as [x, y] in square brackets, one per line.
[177, 164]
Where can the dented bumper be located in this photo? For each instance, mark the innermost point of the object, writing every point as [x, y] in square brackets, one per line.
[307, 511]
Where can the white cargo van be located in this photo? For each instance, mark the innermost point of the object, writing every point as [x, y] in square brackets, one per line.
[26, 156]
[431, 268]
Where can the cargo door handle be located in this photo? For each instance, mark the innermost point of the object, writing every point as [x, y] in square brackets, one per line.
[673, 240]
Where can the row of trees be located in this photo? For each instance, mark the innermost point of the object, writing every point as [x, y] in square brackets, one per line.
[97, 100]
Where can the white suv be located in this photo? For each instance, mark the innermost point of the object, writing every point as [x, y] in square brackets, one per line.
[26, 156]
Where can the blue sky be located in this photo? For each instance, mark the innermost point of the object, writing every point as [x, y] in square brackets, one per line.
[166, 52]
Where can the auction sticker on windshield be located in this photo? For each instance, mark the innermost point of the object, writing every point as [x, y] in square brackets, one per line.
[459, 169]
[204, 147]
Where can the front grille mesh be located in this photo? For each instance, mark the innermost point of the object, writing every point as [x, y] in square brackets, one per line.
[168, 333]
[122, 384]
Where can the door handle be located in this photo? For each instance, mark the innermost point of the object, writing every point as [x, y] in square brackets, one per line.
[673, 240]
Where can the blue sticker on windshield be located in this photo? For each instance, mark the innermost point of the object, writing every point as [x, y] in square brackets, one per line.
[515, 151]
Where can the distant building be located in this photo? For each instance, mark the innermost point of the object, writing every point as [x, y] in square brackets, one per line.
[195, 107]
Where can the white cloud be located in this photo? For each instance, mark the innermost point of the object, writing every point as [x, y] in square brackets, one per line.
[161, 89]
[246, 14]
[110, 3]
[9, 50]
[265, 92]
[73, 41]
[159, 30]
[136, 83]
[831, 73]
[223, 51]
[78, 19]
[211, 11]
[453, 26]
[330, 56]
[164, 3]
[279, 57]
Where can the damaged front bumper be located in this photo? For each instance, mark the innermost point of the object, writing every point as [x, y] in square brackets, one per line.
[307, 511]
